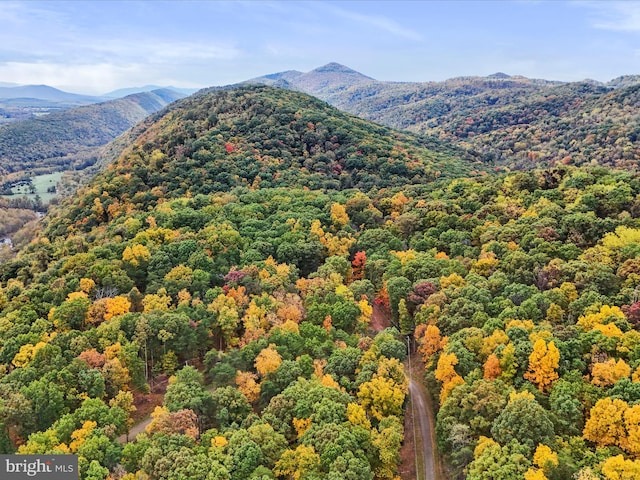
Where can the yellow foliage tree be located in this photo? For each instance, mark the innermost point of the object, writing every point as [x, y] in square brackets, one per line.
[447, 375]
[246, 382]
[398, 201]
[610, 330]
[268, 360]
[609, 372]
[490, 343]
[617, 468]
[405, 256]
[336, 245]
[534, 474]
[631, 442]
[328, 381]
[184, 297]
[622, 237]
[116, 375]
[605, 425]
[76, 295]
[160, 302]
[79, 436]
[483, 444]
[555, 313]
[87, 285]
[159, 413]
[290, 326]
[301, 425]
[339, 215]
[606, 314]
[544, 457]
[508, 362]
[570, 291]
[392, 368]
[219, 441]
[255, 317]
[136, 254]
[486, 264]
[366, 311]
[116, 306]
[295, 463]
[382, 397]
[239, 295]
[124, 400]
[26, 353]
[543, 363]
[454, 280]
[227, 316]
[358, 416]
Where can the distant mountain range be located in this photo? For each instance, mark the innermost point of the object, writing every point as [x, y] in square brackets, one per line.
[512, 121]
[51, 94]
[123, 92]
[67, 140]
[24, 102]
[45, 92]
[506, 120]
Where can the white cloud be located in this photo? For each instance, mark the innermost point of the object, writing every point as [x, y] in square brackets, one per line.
[375, 21]
[614, 15]
[94, 78]
[192, 50]
[151, 50]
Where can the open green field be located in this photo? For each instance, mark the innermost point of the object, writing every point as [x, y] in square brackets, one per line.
[41, 184]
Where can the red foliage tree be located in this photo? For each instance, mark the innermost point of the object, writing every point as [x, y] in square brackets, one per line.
[357, 266]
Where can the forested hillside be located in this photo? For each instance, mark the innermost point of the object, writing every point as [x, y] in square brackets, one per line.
[67, 140]
[240, 247]
[510, 121]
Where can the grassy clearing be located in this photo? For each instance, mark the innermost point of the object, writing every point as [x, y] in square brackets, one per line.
[41, 184]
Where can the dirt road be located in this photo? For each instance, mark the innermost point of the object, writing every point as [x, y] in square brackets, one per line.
[135, 431]
[424, 426]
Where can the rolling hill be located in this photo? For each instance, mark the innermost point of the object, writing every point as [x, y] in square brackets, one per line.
[256, 136]
[511, 121]
[23, 102]
[66, 140]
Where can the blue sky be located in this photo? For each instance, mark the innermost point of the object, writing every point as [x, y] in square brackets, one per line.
[98, 46]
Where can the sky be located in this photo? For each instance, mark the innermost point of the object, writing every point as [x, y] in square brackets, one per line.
[94, 47]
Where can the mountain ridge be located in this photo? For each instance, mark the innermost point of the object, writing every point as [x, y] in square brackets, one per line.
[123, 92]
[485, 114]
[65, 140]
[46, 92]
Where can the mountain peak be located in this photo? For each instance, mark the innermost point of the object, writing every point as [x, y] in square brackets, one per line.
[333, 67]
[500, 75]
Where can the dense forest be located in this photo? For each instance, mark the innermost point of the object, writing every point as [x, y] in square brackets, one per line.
[239, 248]
[67, 140]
